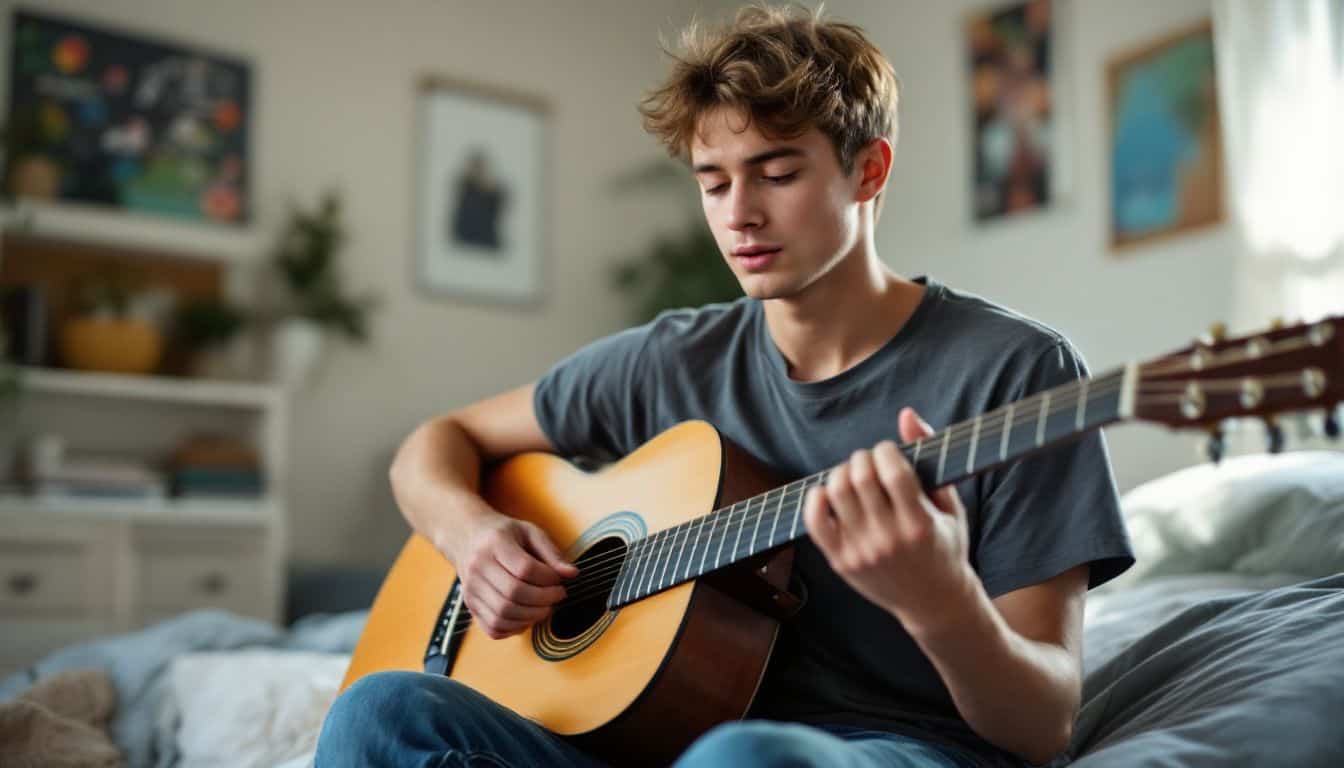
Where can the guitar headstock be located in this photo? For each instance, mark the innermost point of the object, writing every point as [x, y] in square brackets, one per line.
[1279, 370]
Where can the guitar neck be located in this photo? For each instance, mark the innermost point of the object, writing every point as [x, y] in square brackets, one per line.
[735, 533]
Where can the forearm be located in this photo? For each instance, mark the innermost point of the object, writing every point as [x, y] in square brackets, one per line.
[435, 479]
[1019, 694]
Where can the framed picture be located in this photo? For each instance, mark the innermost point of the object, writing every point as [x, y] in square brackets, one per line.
[1009, 53]
[479, 193]
[1166, 150]
[104, 118]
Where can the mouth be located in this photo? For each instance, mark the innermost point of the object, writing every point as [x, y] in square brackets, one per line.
[756, 257]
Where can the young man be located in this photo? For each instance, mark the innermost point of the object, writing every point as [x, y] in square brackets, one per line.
[940, 627]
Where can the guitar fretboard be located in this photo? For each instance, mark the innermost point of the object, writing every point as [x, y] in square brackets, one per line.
[729, 535]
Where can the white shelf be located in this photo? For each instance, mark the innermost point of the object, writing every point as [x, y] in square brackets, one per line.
[213, 511]
[102, 226]
[162, 388]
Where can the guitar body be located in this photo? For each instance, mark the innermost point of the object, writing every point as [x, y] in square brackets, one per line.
[634, 685]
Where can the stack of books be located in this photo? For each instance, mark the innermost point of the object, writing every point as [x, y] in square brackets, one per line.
[211, 466]
[100, 478]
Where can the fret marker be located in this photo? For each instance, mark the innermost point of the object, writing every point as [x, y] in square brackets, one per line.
[1040, 423]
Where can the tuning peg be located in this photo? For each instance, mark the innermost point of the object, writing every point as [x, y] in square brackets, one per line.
[1276, 324]
[1330, 425]
[1214, 447]
[1217, 332]
[1274, 433]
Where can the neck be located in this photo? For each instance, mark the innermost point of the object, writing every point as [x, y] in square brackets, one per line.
[842, 317]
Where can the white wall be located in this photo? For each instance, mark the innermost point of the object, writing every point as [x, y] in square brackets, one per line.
[334, 106]
[1053, 265]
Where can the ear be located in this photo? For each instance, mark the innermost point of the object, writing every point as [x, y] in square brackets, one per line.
[872, 164]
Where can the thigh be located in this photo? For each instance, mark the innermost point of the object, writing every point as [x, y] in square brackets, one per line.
[418, 719]
[763, 744]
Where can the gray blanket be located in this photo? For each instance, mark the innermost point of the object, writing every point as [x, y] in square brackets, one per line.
[1250, 679]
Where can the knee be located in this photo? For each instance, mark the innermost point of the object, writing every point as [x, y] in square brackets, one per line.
[367, 718]
[745, 745]
[379, 697]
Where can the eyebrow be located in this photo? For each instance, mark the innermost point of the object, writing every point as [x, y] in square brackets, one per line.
[756, 159]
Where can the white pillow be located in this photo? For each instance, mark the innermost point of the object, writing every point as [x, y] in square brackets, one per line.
[252, 708]
[1256, 514]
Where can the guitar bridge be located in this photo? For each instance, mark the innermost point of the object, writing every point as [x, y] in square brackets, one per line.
[442, 649]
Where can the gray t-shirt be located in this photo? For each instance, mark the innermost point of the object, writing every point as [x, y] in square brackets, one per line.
[842, 659]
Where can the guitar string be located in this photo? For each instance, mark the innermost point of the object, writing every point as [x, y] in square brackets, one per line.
[616, 560]
[596, 583]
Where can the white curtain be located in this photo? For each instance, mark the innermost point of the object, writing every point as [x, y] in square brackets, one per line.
[1280, 70]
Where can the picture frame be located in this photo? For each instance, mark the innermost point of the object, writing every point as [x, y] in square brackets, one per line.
[117, 122]
[1165, 143]
[479, 192]
[1014, 135]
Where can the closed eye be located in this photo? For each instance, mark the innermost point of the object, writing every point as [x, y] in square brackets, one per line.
[718, 189]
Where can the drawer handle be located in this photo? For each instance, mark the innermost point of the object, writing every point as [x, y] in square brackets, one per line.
[214, 583]
[22, 583]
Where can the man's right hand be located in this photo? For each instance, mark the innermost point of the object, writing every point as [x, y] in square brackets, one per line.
[511, 573]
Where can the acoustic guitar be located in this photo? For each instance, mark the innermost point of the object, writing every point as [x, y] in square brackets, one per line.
[684, 553]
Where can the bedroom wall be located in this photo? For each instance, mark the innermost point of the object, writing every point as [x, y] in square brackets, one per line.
[1053, 265]
[335, 107]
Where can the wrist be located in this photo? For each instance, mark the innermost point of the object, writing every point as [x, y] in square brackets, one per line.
[958, 604]
[449, 532]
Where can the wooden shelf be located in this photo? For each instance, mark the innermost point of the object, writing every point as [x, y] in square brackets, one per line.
[102, 227]
[207, 511]
[252, 395]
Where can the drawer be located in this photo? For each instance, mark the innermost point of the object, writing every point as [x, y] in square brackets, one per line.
[183, 570]
[55, 573]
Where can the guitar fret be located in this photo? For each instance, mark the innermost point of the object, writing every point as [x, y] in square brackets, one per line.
[1040, 421]
[975, 437]
[778, 508]
[1007, 430]
[1082, 405]
[798, 509]
[691, 559]
[918, 445]
[942, 454]
[653, 564]
[718, 558]
[667, 559]
[737, 541]
[756, 528]
[710, 542]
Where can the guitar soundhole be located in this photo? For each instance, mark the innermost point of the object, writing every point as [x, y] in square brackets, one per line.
[586, 603]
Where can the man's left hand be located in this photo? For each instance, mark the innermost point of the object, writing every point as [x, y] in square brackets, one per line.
[902, 549]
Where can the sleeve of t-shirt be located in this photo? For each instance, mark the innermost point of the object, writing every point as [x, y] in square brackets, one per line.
[589, 403]
[1042, 515]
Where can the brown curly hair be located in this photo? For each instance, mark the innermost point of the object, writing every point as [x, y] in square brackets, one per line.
[788, 69]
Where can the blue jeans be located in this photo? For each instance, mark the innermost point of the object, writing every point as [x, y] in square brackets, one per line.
[417, 719]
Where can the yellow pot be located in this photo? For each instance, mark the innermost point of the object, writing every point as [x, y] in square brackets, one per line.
[111, 345]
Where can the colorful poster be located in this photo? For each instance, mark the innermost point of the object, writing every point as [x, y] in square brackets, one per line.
[108, 119]
[1166, 146]
[1010, 59]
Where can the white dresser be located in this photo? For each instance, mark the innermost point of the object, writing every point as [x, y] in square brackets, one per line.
[73, 569]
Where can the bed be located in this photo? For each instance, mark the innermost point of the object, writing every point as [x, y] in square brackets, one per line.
[1223, 646]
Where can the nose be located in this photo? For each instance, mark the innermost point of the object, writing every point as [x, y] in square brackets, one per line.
[744, 212]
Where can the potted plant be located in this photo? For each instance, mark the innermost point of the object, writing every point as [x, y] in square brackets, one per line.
[115, 327]
[314, 299]
[205, 330]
